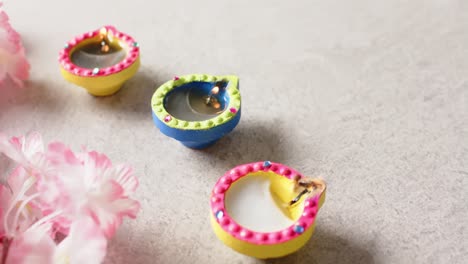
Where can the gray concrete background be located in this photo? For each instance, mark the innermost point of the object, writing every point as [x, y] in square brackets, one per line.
[370, 95]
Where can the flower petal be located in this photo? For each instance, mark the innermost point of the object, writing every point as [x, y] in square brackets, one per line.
[14, 62]
[58, 153]
[33, 246]
[85, 244]
[123, 174]
[109, 207]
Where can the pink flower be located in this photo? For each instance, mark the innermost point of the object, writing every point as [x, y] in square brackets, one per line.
[33, 246]
[16, 210]
[92, 186]
[58, 193]
[13, 62]
[26, 151]
[85, 244]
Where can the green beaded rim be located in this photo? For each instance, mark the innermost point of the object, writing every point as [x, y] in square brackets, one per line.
[231, 110]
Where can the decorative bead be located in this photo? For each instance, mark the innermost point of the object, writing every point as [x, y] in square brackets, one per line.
[261, 237]
[176, 78]
[234, 228]
[135, 44]
[257, 166]
[286, 172]
[288, 232]
[276, 236]
[266, 164]
[95, 71]
[167, 118]
[308, 213]
[233, 110]
[219, 214]
[220, 189]
[299, 229]
[309, 203]
[226, 180]
[225, 221]
[245, 234]
[66, 46]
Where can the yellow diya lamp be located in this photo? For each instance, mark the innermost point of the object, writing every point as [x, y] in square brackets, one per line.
[100, 61]
[265, 209]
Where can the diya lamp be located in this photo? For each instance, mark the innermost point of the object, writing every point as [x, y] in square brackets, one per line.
[265, 209]
[197, 109]
[100, 61]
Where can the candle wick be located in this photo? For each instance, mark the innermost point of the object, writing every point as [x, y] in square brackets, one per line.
[104, 38]
[299, 196]
[309, 185]
[211, 100]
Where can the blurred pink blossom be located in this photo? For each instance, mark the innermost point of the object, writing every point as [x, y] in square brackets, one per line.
[13, 62]
[55, 192]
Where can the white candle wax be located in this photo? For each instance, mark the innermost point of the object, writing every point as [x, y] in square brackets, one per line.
[250, 203]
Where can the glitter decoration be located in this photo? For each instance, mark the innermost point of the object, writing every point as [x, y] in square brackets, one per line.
[219, 214]
[299, 229]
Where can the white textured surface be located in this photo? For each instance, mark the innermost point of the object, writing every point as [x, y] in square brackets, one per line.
[372, 95]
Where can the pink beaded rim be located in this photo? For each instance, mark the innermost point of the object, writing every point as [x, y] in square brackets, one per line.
[68, 65]
[228, 224]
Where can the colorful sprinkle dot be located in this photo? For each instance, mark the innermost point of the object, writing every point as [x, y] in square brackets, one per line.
[299, 229]
[233, 110]
[135, 44]
[95, 71]
[266, 164]
[167, 118]
[219, 214]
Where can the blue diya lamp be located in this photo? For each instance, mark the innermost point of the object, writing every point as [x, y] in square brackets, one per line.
[197, 109]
